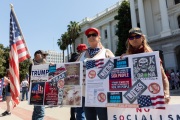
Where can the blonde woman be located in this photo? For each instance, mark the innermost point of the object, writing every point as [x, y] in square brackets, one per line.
[96, 50]
[7, 94]
[137, 43]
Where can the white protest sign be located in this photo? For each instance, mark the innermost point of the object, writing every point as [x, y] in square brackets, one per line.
[172, 112]
[57, 84]
[132, 82]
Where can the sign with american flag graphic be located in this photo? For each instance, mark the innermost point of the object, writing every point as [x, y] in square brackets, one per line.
[37, 89]
[120, 76]
[58, 84]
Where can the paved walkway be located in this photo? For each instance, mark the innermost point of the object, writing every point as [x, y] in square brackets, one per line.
[24, 111]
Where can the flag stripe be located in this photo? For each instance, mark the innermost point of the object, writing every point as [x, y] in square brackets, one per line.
[158, 102]
[160, 108]
[154, 98]
[23, 58]
[19, 41]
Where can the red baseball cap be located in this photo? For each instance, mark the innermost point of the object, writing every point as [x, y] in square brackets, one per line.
[92, 29]
[81, 47]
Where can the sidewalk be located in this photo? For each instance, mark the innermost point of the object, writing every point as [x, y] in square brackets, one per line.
[24, 112]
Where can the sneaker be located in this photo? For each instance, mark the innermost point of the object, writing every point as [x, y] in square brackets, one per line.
[6, 113]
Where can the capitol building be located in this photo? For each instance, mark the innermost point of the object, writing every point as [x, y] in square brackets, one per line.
[159, 20]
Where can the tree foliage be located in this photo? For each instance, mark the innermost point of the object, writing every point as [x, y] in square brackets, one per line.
[123, 26]
[68, 38]
[4, 63]
[61, 46]
[24, 69]
[73, 30]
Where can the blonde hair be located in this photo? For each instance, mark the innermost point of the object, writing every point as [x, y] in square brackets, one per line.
[146, 46]
[100, 45]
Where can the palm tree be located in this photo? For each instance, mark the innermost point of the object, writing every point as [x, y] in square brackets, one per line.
[62, 46]
[73, 30]
[65, 41]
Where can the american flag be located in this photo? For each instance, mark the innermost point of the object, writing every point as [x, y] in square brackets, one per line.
[156, 102]
[18, 53]
[95, 63]
[37, 89]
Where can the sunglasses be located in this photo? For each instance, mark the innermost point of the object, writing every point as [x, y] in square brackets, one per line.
[136, 37]
[94, 35]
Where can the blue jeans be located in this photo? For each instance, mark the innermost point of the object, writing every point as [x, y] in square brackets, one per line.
[24, 91]
[92, 113]
[38, 113]
[80, 111]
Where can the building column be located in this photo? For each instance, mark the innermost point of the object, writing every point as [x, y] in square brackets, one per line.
[142, 17]
[109, 35]
[170, 64]
[133, 14]
[164, 19]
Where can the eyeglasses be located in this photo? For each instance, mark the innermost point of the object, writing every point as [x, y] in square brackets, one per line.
[94, 35]
[136, 37]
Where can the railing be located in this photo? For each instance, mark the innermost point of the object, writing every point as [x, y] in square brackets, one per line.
[101, 13]
[177, 31]
[154, 37]
[174, 32]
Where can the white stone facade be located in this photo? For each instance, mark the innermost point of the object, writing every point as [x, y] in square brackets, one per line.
[105, 22]
[158, 20]
[54, 57]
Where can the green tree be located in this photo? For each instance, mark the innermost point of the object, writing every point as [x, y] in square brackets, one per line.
[24, 69]
[2, 61]
[123, 26]
[62, 46]
[6, 57]
[73, 30]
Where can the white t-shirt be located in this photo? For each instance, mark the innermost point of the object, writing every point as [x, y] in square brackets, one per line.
[24, 83]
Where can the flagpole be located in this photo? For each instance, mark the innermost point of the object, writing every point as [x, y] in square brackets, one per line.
[12, 9]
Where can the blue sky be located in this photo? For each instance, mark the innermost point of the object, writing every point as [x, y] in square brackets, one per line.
[43, 21]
